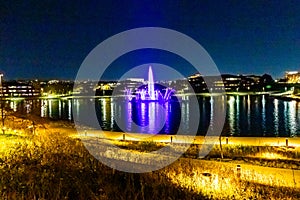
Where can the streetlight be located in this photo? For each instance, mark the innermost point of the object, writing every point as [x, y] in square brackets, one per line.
[2, 105]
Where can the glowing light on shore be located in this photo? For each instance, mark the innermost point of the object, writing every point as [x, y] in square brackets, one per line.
[270, 155]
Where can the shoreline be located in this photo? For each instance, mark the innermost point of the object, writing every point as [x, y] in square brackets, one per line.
[23, 125]
[109, 96]
[186, 139]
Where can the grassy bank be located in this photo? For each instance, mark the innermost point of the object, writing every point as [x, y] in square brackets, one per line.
[57, 167]
[270, 156]
[54, 166]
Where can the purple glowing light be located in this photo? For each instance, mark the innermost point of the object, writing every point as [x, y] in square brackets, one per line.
[149, 92]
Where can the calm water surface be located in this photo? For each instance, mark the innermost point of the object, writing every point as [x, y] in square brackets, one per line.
[249, 115]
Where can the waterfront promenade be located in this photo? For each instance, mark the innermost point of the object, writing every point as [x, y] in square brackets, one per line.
[250, 141]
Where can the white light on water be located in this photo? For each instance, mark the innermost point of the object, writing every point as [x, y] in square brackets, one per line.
[44, 108]
[50, 108]
[103, 110]
[112, 114]
[231, 100]
[263, 101]
[59, 108]
[70, 109]
[276, 116]
[292, 117]
[231, 110]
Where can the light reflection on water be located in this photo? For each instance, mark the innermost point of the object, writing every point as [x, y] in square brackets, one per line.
[292, 117]
[248, 112]
[248, 115]
[276, 117]
[231, 114]
[263, 101]
[69, 110]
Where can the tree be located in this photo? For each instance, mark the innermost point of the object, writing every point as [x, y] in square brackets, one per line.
[266, 79]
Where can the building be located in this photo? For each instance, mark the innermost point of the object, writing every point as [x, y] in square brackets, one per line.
[229, 82]
[17, 89]
[292, 76]
[141, 80]
[63, 87]
[130, 84]
[105, 88]
[197, 82]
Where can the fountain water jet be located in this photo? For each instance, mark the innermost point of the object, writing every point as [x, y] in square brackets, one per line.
[150, 92]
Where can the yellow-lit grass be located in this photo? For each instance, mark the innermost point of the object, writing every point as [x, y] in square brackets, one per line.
[217, 181]
[8, 142]
[54, 166]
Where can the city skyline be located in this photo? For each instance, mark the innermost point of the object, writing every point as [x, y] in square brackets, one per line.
[50, 40]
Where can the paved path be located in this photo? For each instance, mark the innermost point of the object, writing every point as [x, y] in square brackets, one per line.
[264, 175]
[251, 141]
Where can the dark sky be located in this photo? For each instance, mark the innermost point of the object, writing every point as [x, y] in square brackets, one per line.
[50, 39]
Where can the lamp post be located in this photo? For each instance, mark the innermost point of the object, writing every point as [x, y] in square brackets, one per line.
[2, 104]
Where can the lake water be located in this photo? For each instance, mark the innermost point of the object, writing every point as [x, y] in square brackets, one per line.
[249, 115]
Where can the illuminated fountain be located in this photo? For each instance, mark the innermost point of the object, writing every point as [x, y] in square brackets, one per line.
[150, 91]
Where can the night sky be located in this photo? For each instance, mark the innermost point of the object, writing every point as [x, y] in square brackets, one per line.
[50, 39]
